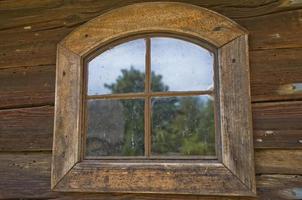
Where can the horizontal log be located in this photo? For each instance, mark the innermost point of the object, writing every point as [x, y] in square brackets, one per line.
[277, 116]
[23, 47]
[28, 36]
[272, 161]
[278, 139]
[26, 129]
[25, 175]
[273, 187]
[276, 74]
[27, 86]
[279, 30]
[276, 125]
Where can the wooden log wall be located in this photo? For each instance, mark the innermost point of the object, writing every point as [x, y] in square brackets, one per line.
[29, 32]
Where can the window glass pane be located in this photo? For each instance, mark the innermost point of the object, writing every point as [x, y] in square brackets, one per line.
[178, 65]
[118, 70]
[183, 126]
[115, 128]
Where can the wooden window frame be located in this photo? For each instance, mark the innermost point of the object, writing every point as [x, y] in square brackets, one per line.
[232, 175]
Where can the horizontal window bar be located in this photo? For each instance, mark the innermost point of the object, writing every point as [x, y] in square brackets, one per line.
[153, 158]
[151, 94]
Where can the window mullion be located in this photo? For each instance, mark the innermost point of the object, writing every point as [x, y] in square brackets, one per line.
[148, 99]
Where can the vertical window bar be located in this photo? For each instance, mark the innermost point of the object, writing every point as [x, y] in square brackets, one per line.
[148, 100]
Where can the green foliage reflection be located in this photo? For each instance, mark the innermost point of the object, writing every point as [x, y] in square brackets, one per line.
[180, 125]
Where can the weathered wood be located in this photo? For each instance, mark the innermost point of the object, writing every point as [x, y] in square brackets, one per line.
[278, 161]
[276, 74]
[277, 125]
[27, 86]
[28, 176]
[235, 110]
[30, 33]
[233, 176]
[30, 47]
[165, 178]
[25, 175]
[166, 17]
[277, 116]
[280, 30]
[27, 129]
[269, 139]
[271, 187]
[68, 106]
[16, 13]
[87, 196]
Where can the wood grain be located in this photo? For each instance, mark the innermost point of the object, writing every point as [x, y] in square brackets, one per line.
[279, 30]
[271, 187]
[275, 74]
[27, 129]
[235, 110]
[30, 33]
[277, 116]
[25, 175]
[278, 139]
[277, 125]
[166, 17]
[238, 171]
[27, 86]
[33, 181]
[21, 47]
[16, 13]
[164, 178]
[278, 161]
[67, 120]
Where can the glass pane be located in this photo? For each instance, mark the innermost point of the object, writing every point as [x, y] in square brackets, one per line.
[178, 65]
[118, 70]
[183, 126]
[115, 128]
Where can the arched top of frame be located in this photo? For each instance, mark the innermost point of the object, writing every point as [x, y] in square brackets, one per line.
[177, 18]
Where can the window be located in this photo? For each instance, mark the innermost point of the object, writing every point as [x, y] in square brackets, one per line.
[151, 97]
[154, 104]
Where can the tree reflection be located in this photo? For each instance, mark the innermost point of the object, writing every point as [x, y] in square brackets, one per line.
[180, 125]
[183, 126]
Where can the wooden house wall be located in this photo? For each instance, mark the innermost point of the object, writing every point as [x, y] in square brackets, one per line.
[29, 32]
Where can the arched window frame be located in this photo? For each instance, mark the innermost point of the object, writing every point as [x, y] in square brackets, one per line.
[232, 175]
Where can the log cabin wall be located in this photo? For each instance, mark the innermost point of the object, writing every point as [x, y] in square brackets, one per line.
[29, 32]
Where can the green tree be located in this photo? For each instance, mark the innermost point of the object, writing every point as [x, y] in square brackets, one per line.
[132, 80]
[198, 136]
[180, 125]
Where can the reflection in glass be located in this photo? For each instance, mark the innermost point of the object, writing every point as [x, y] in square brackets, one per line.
[108, 67]
[115, 128]
[183, 126]
[184, 66]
